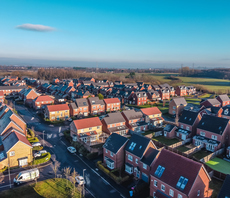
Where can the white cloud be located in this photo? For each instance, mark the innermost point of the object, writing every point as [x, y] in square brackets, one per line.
[34, 27]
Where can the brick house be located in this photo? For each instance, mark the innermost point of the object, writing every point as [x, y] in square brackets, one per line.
[173, 175]
[114, 151]
[114, 123]
[135, 120]
[176, 106]
[73, 110]
[169, 131]
[153, 95]
[112, 104]
[2, 97]
[96, 106]
[225, 112]
[223, 99]
[152, 116]
[87, 130]
[191, 90]
[181, 90]
[83, 107]
[210, 103]
[57, 112]
[164, 94]
[41, 101]
[138, 98]
[56, 81]
[11, 90]
[29, 96]
[15, 149]
[187, 124]
[212, 133]
[135, 150]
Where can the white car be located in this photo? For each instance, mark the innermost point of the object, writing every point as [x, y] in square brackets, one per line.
[80, 180]
[36, 144]
[71, 149]
[39, 153]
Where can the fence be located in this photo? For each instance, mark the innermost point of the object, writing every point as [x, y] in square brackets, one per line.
[180, 143]
[194, 150]
[212, 155]
[170, 122]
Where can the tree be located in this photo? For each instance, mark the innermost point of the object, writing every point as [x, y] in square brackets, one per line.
[100, 96]
[74, 175]
[67, 171]
[55, 167]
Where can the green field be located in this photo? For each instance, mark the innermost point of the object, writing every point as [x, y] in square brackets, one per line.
[219, 165]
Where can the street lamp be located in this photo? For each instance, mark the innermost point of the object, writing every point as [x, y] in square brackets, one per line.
[84, 183]
[43, 139]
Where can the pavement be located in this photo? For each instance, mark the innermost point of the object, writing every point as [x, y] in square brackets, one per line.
[97, 183]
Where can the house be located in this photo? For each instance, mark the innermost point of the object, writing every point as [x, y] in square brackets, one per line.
[191, 90]
[73, 110]
[114, 151]
[83, 107]
[112, 104]
[212, 133]
[173, 175]
[152, 116]
[138, 98]
[15, 150]
[176, 106]
[29, 96]
[135, 150]
[156, 87]
[226, 112]
[87, 130]
[169, 131]
[225, 190]
[187, 124]
[181, 90]
[114, 123]
[96, 106]
[223, 99]
[210, 103]
[135, 120]
[153, 95]
[11, 90]
[56, 81]
[41, 101]
[2, 97]
[164, 94]
[57, 112]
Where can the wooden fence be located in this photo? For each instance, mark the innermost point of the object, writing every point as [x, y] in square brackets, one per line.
[194, 150]
[212, 155]
[180, 143]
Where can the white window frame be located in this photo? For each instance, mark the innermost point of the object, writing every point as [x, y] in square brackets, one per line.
[130, 157]
[111, 153]
[155, 183]
[145, 166]
[106, 150]
[136, 160]
[12, 153]
[163, 187]
[179, 196]
[202, 133]
[171, 192]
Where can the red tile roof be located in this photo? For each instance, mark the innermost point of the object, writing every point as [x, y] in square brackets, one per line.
[43, 98]
[87, 122]
[1, 93]
[150, 111]
[59, 107]
[111, 100]
[175, 167]
[22, 138]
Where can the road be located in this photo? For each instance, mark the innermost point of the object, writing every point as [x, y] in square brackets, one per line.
[97, 184]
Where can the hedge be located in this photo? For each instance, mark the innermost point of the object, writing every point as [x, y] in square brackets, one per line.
[118, 180]
[32, 140]
[3, 169]
[37, 148]
[30, 131]
[45, 157]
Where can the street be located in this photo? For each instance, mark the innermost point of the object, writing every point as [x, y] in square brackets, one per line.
[55, 143]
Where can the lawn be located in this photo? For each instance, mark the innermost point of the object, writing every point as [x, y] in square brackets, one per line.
[201, 154]
[207, 95]
[193, 101]
[166, 141]
[183, 148]
[219, 165]
[49, 188]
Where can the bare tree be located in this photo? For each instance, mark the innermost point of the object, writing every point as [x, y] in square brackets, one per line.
[55, 167]
[74, 175]
[67, 171]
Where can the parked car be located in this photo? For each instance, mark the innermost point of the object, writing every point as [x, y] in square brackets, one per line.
[71, 149]
[26, 176]
[80, 180]
[39, 153]
[70, 119]
[36, 144]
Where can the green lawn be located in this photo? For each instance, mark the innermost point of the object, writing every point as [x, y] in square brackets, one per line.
[49, 188]
[182, 148]
[219, 165]
[166, 141]
[193, 100]
[201, 154]
[207, 95]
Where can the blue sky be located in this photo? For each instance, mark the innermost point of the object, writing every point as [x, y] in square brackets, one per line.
[151, 32]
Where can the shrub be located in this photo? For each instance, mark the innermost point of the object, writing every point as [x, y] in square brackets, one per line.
[31, 133]
[32, 140]
[92, 155]
[67, 135]
[82, 150]
[37, 148]
[76, 145]
[3, 169]
[45, 157]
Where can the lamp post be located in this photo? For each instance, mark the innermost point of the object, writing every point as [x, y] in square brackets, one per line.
[84, 183]
[43, 139]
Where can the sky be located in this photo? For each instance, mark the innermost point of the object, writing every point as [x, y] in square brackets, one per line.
[109, 33]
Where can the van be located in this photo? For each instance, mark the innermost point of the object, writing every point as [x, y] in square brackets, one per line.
[26, 176]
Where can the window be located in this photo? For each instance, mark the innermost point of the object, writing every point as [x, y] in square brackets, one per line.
[174, 107]
[98, 127]
[144, 166]
[106, 150]
[85, 109]
[82, 130]
[179, 196]
[187, 128]
[198, 193]
[128, 169]
[214, 137]
[155, 183]
[12, 153]
[130, 158]
[90, 128]
[136, 161]
[182, 182]
[202, 133]
[111, 153]
[162, 187]
[159, 171]
[171, 192]
[182, 126]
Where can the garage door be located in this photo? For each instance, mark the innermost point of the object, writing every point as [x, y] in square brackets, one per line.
[23, 162]
[145, 177]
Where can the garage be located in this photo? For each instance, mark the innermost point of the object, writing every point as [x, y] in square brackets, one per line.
[23, 162]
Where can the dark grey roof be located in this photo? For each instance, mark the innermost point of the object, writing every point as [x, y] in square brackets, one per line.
[225, 190]
[96, 101]
[114, 118]
[149, 156]
[226, 110]
[215, 109]
[114, 142]
[179, 101]
[73, 105]
[140, 142]
[213, 101]
[81, 102]
[188, 117]
[213, 124]
[12, 87]
[132, 114]
[168, 127]
[224, 97]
